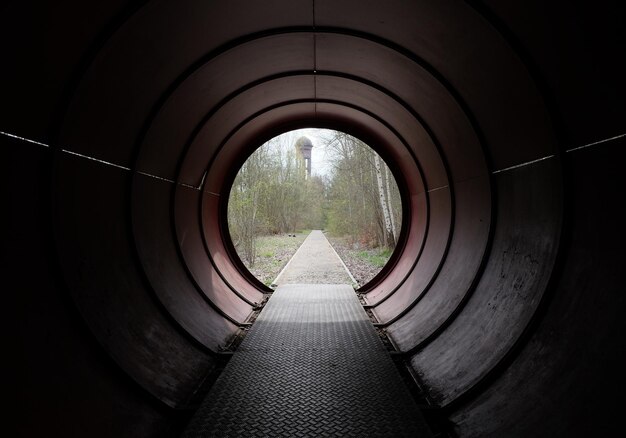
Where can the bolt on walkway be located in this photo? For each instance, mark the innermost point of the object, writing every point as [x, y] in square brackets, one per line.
[311, 365]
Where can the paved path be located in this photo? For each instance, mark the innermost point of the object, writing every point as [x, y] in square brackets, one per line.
[315, 262]
[312, 365]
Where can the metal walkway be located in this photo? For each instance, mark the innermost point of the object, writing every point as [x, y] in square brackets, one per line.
[312, 365]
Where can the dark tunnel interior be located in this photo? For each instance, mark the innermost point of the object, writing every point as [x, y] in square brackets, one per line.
[504, 122]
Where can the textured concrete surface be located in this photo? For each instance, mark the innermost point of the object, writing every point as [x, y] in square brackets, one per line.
[312, 365]
[315, 262]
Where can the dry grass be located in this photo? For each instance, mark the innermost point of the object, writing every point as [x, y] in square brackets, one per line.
[273, 253]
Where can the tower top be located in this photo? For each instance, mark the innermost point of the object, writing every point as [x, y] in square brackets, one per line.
[303, 143]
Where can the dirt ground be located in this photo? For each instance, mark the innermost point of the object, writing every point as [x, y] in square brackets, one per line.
[273, 253]
[363, 263]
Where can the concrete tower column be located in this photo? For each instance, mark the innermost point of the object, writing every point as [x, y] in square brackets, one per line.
[304, 146]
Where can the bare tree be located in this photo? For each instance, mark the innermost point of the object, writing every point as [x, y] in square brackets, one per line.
[361, 198]
[389, 238]
[271, 194]
[390, 205]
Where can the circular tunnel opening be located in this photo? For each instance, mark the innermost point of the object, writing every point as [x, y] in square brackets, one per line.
[314, 179]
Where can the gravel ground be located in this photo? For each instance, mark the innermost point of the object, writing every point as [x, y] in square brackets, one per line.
[315, 263]
[362, 270]
[274, 251]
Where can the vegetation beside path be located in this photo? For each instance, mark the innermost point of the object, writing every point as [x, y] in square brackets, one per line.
[273, 253]
[273, 194]
[354, 196]
[362, 262]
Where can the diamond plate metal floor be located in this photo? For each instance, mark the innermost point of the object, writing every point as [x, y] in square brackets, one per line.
[311, 365]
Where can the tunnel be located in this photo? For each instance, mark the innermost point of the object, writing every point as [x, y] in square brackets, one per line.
[123, 124]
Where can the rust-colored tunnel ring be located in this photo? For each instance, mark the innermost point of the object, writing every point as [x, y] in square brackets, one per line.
[317, 122]
[204, 237]
[405, 105]
[393, 305]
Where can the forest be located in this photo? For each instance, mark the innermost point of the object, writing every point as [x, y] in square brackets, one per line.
[353, 195]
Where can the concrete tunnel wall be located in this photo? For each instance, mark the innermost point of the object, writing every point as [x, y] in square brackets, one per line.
[504, 124]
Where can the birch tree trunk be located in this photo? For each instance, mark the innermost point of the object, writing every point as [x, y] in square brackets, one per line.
[390, 205]
[383, 202]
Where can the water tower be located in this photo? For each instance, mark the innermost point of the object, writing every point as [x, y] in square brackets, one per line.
[304, 146]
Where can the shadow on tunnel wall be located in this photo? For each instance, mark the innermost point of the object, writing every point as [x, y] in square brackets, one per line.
[506, 124]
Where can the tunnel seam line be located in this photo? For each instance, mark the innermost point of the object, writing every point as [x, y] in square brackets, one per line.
[98, 160]
[617, 137]
[138, 172]
[27, 140]
[517, 166]
[595, 143]
[194, 340]
[189, 186]
[454, 182]
[203, 179]
[438, 188]
[314, 63]
[156, 177]
[108, 163]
